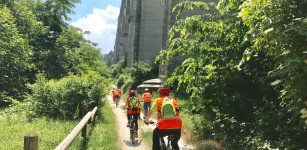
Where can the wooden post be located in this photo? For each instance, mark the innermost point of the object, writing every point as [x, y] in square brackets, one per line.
[31, 142]
[84, 111]
[73, 134]
[93, 114]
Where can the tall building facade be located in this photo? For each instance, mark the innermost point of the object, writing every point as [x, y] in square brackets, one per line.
[139, 30]
[143, 27]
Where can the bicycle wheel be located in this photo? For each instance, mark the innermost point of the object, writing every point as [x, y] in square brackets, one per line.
[132, 131]
[169, 142]
[162, 143]
[117, 101]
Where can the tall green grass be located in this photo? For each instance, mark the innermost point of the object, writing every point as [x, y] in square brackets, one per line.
[14, 125]
[104, 135]
[147, 136]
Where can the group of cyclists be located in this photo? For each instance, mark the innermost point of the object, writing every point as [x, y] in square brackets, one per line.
[166, 107]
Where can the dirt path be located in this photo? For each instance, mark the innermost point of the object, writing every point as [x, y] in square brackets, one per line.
[123, 131]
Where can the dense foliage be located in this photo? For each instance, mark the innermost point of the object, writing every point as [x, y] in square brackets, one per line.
[35, 41]
[108, 58]
[245, 70]
[63, 98]
[130, 78]
[15, 55]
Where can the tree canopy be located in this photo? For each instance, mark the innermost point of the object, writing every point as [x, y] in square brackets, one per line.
[244, 69]
[35, 38]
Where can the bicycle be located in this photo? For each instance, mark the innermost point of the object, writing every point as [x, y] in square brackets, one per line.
[133, 132]
[162, 144]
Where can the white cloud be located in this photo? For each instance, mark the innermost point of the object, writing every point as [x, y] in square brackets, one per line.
[102, 23]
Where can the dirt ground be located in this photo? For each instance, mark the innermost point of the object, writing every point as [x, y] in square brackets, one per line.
[123, 131]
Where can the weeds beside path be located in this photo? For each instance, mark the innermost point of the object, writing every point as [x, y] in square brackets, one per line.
[14, 125]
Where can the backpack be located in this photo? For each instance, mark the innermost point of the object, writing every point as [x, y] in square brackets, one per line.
[134, 103]
[168, 109]
[116, 93]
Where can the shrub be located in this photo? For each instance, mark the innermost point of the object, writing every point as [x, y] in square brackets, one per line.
[134, 76]
[61, 98]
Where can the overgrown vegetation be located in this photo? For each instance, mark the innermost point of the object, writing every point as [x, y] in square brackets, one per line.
[244, 70]
[35, 38]
[14, 124]
[38, 47]
[63, 98]
[47, 69]
[130, 78]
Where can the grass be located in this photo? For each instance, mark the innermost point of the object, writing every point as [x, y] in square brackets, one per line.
[104, 135]
[14, 125]
[190, 136]
[147, 136]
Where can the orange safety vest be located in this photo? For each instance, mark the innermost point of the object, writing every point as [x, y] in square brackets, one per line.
[169, 123]
[130, 111]
[147, 97]
[116, 92]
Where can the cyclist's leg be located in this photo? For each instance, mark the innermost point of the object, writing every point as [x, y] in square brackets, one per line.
[176, 133]
[145, 108]
[155, 139]
[148, 108]
[128, 118]
[135, 117]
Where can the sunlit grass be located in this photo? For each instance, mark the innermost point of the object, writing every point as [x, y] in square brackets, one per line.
[104, 135]
[14, 126]
[147, 136]
[50, 132]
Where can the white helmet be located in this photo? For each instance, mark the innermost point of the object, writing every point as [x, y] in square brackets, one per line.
[146, 90]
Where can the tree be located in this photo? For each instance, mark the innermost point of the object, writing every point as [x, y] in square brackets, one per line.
[244, 68]
[54, 13]
[15, 56]
[108, 58]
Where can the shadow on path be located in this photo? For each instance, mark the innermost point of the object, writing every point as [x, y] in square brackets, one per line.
[137, 144]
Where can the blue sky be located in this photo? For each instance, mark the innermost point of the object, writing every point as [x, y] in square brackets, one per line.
[100, 18]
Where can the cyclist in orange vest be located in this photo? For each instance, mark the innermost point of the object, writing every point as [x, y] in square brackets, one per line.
[133, 108]
[116, 94]
[147, 101]
[169, 122]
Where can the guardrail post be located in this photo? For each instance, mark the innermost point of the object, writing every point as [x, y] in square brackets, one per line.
[31, 142]
[73, 134]
[84, 112]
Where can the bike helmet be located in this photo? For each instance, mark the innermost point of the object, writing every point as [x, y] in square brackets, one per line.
[132, 92]
[146, 90]
[164, 91]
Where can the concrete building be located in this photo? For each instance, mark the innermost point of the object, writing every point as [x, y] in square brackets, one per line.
[139, 31]
[143, 27]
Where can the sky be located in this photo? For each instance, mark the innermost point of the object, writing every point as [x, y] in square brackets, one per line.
[100, 18]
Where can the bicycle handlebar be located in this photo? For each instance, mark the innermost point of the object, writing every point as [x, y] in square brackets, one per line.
[150, 122]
